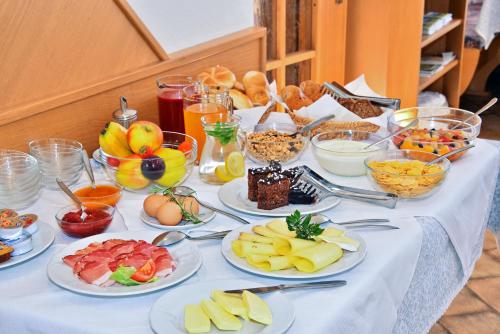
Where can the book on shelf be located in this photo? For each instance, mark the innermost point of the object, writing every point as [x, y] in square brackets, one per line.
[433, 21]
[430, 65]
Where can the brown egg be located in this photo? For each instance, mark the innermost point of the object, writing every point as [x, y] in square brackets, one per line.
[169, 214]
[191, 205]
[153, 202]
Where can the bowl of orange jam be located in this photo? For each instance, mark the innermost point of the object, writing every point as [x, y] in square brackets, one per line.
[104, 192]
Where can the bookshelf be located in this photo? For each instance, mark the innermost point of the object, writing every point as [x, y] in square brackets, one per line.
[385, 42]
[425, 82]
[426, 40]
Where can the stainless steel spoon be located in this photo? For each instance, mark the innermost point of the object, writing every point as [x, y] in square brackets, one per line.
[477, 113]
[446, 155]
[88, 168]
[73, 197]
[313, 124]
[412, 123]
[186, 191]
[172, 237]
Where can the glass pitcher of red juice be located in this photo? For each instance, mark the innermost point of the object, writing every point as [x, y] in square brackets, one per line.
[170, 106]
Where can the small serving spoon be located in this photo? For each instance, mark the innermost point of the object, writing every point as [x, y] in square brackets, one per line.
[446, 155]
[75, 199]
[412, 123]
[477, 113]
[172, 237]
[190, 192]
[312, 125]
[88, 167]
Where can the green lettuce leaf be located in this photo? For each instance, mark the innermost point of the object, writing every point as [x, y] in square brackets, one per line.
[122, 275]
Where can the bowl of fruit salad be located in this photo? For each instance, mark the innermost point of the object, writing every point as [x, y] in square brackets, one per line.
[144, 156]
[439, 129]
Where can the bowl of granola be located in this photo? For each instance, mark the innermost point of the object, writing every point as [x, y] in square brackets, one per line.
[275, 142]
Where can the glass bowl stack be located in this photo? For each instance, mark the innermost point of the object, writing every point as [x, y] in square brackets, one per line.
[19, 179]
[58, 158]
[433, 132]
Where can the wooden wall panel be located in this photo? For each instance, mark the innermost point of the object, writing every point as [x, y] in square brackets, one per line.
[383, 42]
[49, 48]
[83, 118]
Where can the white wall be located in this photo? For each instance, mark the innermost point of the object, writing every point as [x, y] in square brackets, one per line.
[178, 24]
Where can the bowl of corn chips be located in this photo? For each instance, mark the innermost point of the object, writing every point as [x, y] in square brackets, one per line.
[405, 173]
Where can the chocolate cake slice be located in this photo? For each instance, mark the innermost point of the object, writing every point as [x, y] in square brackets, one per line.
[272, 191]
[256, 174]
[293, 174]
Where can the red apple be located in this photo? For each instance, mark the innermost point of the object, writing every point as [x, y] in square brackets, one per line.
[144, 137]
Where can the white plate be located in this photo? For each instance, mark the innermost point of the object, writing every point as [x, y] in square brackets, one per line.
[205, 216]
[42, 239]
[346, 262]
[186, 256]
[167, 314]
[234, 195]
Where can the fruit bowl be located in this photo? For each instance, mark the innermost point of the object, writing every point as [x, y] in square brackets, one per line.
[404, 173]
[166, 166]
[433, 133]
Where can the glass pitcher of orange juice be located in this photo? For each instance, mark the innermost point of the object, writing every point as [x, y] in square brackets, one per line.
[200, 100]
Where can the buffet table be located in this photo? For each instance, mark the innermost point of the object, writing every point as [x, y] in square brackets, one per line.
[404, 284]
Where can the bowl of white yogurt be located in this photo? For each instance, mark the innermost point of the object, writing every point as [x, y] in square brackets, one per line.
[343, 152]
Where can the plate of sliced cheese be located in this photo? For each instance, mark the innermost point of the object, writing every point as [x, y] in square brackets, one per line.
[205, 308]
[273, 250]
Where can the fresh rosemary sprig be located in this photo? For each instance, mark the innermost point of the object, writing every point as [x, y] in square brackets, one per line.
[303, 226]
[186, 215]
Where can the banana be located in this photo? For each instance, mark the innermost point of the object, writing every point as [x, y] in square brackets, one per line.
[113, 141]
[119, 132]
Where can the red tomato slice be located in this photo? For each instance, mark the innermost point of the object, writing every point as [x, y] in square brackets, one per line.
[146, 272]
[184, 147]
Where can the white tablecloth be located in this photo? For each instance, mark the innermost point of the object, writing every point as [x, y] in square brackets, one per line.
[368, 304]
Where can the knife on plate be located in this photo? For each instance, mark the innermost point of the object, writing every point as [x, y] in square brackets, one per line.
[313, 285]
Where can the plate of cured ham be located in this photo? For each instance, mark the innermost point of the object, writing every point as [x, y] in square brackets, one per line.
[122, 264]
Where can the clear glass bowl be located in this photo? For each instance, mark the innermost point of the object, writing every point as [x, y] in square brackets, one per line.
[19, 179]
[433, 132]
[106, 192]
[342, 153]
[406, 186]
[89, 226]
[58, 158]
[272, 142]
[129, 173]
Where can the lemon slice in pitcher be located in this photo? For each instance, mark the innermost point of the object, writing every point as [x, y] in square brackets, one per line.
[222, 174]
[235, 164]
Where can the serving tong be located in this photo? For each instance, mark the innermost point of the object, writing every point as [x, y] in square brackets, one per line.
[313, 183]
[337, 91]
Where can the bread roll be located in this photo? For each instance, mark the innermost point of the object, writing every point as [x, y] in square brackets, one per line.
[311, 89]
[239, 86]
[240, 100]
[217, 76]
[294, 98]
[256, 87]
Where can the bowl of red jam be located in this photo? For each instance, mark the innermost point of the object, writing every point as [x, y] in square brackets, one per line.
[94, 219]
